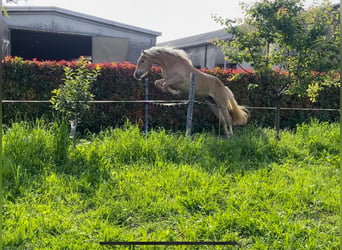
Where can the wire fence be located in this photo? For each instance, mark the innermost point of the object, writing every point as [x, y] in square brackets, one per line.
[190, 102]
[174, 103]
[178, 103]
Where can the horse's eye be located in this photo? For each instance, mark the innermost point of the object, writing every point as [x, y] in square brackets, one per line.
[142, 61]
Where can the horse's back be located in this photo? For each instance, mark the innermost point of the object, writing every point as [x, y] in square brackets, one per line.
[207, 84]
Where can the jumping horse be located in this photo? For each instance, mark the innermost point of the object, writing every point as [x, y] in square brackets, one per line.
[176, 69]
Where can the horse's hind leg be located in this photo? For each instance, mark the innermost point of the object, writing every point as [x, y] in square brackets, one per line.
[228, 121]
[221, 115]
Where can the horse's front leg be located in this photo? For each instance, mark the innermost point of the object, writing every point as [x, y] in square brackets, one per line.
[160, 84]
[173, 84]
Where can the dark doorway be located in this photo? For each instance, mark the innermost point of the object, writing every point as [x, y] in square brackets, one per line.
[48, 45]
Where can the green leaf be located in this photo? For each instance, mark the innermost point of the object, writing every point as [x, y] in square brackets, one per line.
[73, 97]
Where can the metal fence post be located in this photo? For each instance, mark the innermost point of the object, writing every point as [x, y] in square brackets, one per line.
[146, 105]
[190, 104]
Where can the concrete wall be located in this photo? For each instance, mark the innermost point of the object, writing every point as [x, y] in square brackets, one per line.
[206, 56]
[109, 49]
[209, 56]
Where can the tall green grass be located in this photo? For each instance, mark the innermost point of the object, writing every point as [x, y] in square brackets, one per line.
[122, 185]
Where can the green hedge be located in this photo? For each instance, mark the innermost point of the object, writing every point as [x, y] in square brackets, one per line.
[34, 80]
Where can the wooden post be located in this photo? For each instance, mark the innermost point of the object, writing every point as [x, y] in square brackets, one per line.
[190, 105]
[146, 105]
[73, 126]
[277, 116]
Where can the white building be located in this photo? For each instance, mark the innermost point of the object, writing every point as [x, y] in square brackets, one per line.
[50, 33]
[202, 52]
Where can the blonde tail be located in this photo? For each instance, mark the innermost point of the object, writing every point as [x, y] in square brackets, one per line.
[239, 113]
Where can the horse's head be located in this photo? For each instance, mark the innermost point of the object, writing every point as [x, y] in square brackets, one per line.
[143, 66]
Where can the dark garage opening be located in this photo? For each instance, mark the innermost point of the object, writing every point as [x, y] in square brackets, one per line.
[49, 46]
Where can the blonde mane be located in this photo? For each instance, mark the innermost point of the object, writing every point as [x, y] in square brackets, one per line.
[159, 51]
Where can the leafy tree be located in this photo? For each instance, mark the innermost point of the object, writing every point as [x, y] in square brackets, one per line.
[292, 49]
[72, 99]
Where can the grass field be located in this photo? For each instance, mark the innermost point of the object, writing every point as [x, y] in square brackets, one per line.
[121, 185]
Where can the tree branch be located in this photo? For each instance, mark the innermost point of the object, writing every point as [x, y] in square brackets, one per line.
[238, 64]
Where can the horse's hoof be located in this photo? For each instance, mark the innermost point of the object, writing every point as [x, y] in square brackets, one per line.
[228, 136]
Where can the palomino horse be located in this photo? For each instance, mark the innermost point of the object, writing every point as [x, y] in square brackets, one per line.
[176, 70]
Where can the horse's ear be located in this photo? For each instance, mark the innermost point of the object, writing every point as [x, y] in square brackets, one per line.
[143, 52]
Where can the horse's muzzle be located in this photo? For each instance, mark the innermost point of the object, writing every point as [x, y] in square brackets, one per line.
[138, 75]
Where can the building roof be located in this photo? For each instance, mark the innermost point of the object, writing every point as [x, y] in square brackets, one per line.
[68, 13]
[205, 38]
[336, 6]
[197, 40]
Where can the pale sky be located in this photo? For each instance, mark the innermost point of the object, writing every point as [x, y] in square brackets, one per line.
[173, 18]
